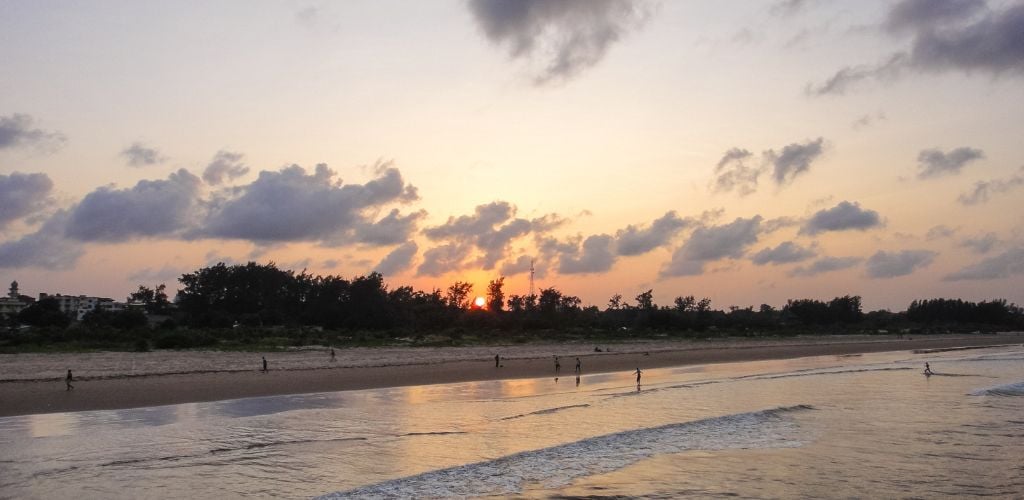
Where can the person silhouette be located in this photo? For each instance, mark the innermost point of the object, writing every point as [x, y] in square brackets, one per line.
[558, 366]
[264, 364]
[638, 376]
[927, 370]
[497, 360]
[578, 366]
[332, 355]
[68, 379]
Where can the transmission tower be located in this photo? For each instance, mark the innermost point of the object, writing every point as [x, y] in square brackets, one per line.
[531, 277]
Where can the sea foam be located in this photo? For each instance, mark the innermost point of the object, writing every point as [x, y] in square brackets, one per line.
[1014, 389]
[558, 465]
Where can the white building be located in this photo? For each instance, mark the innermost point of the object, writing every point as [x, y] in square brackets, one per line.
[13, 303]
[77, 306]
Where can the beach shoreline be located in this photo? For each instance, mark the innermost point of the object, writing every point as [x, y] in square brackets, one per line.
[33, 383]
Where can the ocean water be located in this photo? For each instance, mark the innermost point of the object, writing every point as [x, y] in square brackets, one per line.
[869, 425]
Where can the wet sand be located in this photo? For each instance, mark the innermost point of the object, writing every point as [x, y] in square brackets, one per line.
[33, 383]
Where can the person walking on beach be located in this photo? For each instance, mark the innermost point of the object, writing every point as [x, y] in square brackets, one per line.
[497, 360]
[68, 379]
[578, 366]
[558, 366]
[638, 376]
[264, 364]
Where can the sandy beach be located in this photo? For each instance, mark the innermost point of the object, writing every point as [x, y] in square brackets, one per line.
[33, 383]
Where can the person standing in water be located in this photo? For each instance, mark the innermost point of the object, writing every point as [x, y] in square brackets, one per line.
[264, 364]
[68, 379]
[497, 360]
[638, 376]
[333, 359]
[578, 366]
[927, 369]
[558, 366]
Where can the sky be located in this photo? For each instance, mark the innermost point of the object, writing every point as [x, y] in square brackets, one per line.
[746, 151]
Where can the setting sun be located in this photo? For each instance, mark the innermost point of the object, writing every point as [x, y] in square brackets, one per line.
[479, 302]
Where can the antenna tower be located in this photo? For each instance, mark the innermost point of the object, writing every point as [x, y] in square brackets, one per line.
[531, 277]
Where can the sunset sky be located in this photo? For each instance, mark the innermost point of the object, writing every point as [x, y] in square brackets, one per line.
[747, 151]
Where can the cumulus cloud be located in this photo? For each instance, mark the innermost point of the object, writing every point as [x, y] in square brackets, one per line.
[968, 36]
[1004, 265]
[17, 130]
[712, 243]
[940, 231]
[389, 230]
[634, 240]
[491, 228]
[983, 190]
[46, 248]
[560, 39]
[22, 195]
[893, 264]
[140, 155]
[444, 258]
[980, 244]
[150, 208]
[842, 217]
[225, 166]
[935, 163]
[398, 259]
[825, 265]
[786, 252]
[734, 171]
[518, 266]
[291, 205]
[596, 256]
[794, 159]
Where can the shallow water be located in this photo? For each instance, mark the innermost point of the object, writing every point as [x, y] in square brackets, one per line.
[851, 426]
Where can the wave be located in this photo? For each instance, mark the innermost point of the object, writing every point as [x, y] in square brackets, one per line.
[963, 348]
[558, 465]
[1014, 389]
[545, 411]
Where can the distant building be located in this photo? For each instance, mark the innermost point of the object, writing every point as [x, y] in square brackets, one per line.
[14, 302]
[77, 306]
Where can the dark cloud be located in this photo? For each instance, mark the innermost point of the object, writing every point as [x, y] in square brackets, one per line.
[733, 172]
[934, 162]
[150, 208]
[892, 264]
[389, 230]
[1004, 265]
[225, 166]
[596, 256]
[398, 259]
[291, 205]
[140, 155]
[826, 265]
[561, 38]
[980, 244]
[519, 266]
[444, 258]
[945, 35]
[46, 248]
[22, 195]
[635, 240]
[17, 130]
[712, 243]
[842, 217]
[940, 231]
[794, 159]
[983, 190]
[786, 252]
[778, 223]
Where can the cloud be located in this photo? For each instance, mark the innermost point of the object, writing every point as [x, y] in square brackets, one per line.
[634, 240]
[980, 244]
[842, 217]
[778, 223]
[734, 173]
[444, 258]
[22, 195]
[712, 243]
[150, 208]
[825, 265]
[491, 229]
[788, 7]
[225, 166]
[940, 231]
[794, 159]
[163, 274]
[983, 190]
[562, 38]
[290, 205]
[519, 266]
[398, 259]
[786, 252]
[945, 35]
[46, 248]
[935, 163]
[892, 264]
[1004, 265]
[16, 130]
[865, 121]
[389, 230]
[140, 155]
[597, 256]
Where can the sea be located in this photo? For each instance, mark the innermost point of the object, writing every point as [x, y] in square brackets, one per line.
[858, 426]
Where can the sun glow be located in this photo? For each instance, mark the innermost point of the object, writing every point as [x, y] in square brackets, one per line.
[479, 302]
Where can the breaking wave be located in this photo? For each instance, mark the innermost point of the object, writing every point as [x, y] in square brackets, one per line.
[1014, 389]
